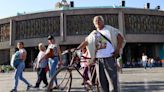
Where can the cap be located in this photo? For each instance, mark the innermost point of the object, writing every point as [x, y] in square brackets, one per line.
[50, 37]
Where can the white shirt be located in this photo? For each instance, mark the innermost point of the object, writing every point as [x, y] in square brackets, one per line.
[109, 49]
[144, 58]
[22, 51]
[152, 60]
[43, 62]
[54, 47]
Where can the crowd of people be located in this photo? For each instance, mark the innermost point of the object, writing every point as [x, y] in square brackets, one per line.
[101, 47]
[47, 59]
[144, 61]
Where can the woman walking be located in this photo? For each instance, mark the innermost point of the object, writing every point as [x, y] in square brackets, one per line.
[19, 70]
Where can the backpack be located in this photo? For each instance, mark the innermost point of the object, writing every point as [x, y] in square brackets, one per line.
[15, 59]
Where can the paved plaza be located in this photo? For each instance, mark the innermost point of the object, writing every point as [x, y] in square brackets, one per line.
[132, 80]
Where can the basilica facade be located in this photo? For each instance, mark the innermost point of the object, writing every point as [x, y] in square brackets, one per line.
[142, 28]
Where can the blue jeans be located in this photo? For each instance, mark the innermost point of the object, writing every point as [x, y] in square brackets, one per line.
[53, 65]
[19, 75]
[144, 64]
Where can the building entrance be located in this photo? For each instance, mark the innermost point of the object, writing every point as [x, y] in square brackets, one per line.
[133, 52]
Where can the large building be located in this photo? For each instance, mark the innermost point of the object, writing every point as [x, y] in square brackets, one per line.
[142, 28]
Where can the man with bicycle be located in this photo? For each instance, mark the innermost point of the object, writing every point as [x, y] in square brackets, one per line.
[104, 44]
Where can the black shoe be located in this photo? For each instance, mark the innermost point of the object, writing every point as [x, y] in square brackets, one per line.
[36, 87]
[56, 87]
[13, 90]
[28, 87]
[82, 83]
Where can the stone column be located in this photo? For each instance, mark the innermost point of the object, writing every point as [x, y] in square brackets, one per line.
[12, 36]
[121, 22]
[12, 32]
[12, 51]
[63, 26]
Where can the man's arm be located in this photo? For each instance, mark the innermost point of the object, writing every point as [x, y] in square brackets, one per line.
[119, 45]
[119, 41]
[59, 54]
[82, 45]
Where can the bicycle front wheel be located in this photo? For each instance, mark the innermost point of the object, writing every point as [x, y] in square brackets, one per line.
[64, 80]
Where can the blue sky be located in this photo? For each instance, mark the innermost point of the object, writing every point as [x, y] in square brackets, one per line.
[12, 7]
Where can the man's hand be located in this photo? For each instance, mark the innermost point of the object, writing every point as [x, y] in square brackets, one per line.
[116, 53]
[73, 49]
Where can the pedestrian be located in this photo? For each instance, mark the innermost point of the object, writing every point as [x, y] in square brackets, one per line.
[151, 62]
[54, 48]
[144, 60]
[41, 66]
[107, 43]
[20, 67]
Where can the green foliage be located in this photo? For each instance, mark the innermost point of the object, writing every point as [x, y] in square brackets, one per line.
[6, 68]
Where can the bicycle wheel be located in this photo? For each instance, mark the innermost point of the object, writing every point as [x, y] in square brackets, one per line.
[64, 80]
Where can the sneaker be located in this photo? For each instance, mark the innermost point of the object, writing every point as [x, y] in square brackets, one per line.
[36, 87]
[28, 87]
[56, 87]
[13, 90]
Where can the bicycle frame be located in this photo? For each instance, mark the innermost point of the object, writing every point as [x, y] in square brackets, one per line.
[73, 65]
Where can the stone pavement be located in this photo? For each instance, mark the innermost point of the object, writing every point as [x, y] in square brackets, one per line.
[132, 80]
[141, 80]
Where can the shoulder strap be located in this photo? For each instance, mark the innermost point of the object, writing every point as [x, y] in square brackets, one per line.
[105, 37]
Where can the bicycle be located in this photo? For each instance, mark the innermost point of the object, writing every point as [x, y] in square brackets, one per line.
[64, 78]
